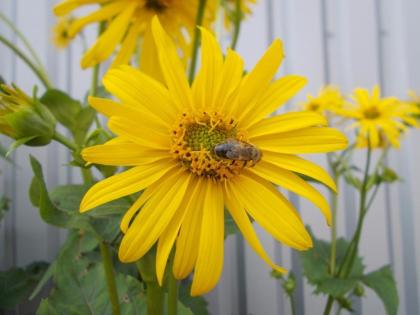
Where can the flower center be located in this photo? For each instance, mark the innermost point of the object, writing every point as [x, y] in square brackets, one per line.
[209, 145]
[157, 5]
[371, 113]
[313, 106]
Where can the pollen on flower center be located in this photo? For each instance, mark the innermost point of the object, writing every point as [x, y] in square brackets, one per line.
[371, 113]
[194, 138]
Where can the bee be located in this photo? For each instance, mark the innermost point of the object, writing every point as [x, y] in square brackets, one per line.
[237, 151]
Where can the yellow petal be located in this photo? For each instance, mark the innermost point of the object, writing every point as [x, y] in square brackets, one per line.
[270, 209]
[242, 221]
[102, 14]
[123, 184]
[172, 67]
[308, 140]
[106, 43]
[290, 181]
[136, 88]
[256, 82]
[231, 76]
[122, 154]
[149, 60]
[209, 265]
[188, 240]
[167, 239]
[277, 94]
[287, 122]
[211, 66]
[66, 6]
[128, 46]
[153, 218]
[296, 164]
[141, 133]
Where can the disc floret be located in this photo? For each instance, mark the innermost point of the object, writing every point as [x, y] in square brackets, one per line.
[194, 138]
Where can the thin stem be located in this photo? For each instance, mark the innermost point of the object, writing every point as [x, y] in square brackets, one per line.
[351, 252]
[292, 304]
[154, 292]
[237, 24]
[110, 278]
[172, 293]
[38, 72]
[65, 141]
[198, 22]
[87, 176]
[333, 256]
[23, 39]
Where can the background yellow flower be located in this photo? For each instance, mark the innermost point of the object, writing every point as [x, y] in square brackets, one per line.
[127, 20]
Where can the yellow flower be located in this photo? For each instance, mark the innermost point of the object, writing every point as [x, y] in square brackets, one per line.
[194, 150]
[379, 121]
[127, 20]
[230, 10]
[329, 98]
[61, 37]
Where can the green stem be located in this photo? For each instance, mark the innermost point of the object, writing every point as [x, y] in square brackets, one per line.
[154, 292]
[110, 278]
[65, 141]
[292, 304]
[87, 176]
[24, 40]
[198, 22]
[351, 252]
[38, 72]
[333, 257]
[172, 293]
[237, 24]
[95, 78]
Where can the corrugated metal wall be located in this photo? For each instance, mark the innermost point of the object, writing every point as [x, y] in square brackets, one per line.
[346, 42]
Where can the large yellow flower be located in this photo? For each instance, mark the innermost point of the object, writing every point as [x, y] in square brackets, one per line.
[194, 150]
[127, 20]
[329, 98]
[379, 121]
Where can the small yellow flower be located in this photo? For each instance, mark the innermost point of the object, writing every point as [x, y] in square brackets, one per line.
[127, 20]
[379, 121]
[329, 98]
[230, 10]
[25, 119]
[61, 37]
[196, 149]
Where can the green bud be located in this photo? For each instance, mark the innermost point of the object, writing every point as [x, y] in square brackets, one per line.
[22, 117]
[359, 290]
[289, 285]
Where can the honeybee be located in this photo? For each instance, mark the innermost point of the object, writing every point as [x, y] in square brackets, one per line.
[238, 151]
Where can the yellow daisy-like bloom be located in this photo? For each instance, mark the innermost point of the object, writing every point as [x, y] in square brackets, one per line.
[329, 98]
[379, 121]
[61, 37]
[128, 20]
[194, 150]
[230, 10]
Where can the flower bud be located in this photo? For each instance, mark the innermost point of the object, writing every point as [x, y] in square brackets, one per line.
[359, 290]
[23, 118]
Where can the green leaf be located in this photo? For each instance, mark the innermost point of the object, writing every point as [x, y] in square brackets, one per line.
[17, 283]
[3, 154]
[84, 120]
[352, 180]
[62, 106]
[383, 283]
[48, 211]
[197, 304]
[34, 192]
[45, 277]
[315, 263]
[80, 283]
[388, 175]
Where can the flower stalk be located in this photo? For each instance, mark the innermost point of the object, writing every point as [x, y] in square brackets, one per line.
[237, 24]
[196, 40]
[110, 277]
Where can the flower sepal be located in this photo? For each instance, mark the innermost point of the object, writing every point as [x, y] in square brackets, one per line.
[25, 119]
